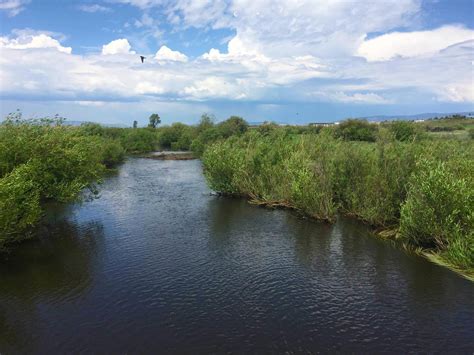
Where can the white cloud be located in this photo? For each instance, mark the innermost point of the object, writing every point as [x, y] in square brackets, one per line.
[166, 54]
[412, 44]
[236, 50]
[353, 98]
[280, 71]
[145, 20]
[13, 7]
[94, 8]
[148, 88]
[90, 103]
[118, 46]
[215, 87]
[317, 27]
[27, 41]
[320, 28]
[143, 4]
[280, 50]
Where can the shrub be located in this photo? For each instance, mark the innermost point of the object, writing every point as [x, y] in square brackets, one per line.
[178, 136]
[205, 138]
[112, 153]
[40, 161]
[356, 130]
[267, 128]
[92, 129]
[19, 204]
[439, 210]
[221, 163]
[232, 126]
[138, 140]
[404, 131]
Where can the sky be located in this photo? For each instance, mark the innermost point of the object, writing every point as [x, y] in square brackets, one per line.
[292, 61]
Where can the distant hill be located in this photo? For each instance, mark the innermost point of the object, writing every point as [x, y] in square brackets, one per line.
[420, 116]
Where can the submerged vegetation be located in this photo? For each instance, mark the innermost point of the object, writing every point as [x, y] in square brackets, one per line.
[397, 176]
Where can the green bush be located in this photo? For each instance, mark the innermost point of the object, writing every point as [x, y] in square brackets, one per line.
[232, 126]
[273, 169]
[112, 153]
[178, 136]
[267, 128]
[221, 163]
[138, 140]
[356, 130]
[92, 129]
[205, 138]
[424, 186]
[404, 131]
[440, 205]
[41, 160]
[19, 204]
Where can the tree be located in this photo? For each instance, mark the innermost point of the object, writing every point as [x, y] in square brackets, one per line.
[135, 124]
[206, 122]
[233, 125]
[155, 120]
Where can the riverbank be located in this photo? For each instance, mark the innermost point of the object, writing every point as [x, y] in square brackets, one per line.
[157, 262]
[422, 191]
[170, 155]
[393, 176]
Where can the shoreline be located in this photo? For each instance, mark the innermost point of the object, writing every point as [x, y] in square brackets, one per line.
[170, 155]
[388, 234]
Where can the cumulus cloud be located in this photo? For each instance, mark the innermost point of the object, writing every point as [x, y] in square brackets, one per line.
[215, 87]
[412, 44]
[275, 27]
[13, 7]
[236, 50]
[118, 46]
[280, 50]
[166, 54]
[147, 87]
[26, 41]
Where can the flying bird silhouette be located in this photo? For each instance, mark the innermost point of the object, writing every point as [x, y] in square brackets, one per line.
[142, 58]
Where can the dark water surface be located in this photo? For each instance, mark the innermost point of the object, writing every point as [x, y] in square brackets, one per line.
[157, 265]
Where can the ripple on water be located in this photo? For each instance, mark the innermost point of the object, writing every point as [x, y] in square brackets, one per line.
[157, 264]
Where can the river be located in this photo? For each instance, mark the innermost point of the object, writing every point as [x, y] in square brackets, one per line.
[159, 265]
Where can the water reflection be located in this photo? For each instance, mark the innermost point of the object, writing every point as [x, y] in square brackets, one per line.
[57, 268]
[157, 264]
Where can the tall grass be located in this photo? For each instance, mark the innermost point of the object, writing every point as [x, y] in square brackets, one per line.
[424, 187]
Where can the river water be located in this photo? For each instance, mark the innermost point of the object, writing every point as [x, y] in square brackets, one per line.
[158, 265]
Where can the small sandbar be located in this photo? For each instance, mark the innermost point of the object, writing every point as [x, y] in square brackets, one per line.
[171, 155]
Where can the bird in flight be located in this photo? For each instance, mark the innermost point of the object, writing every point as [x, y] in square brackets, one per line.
[142, 58]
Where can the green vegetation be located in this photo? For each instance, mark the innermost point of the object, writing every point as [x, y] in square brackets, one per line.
[397, 176]
[405, 131]
[448, 127]
[391, 176]
[154, 119]
[356, 130]
[43, 160]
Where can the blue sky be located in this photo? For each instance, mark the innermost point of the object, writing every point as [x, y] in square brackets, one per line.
[287, 61]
